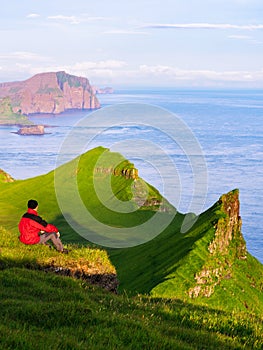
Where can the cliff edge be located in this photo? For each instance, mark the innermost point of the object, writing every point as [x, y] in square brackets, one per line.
[227, 245]
[52, 92]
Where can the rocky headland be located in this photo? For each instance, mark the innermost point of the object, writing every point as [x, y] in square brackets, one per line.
[53, 92]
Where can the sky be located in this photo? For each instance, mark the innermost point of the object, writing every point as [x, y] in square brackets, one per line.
[139, 43]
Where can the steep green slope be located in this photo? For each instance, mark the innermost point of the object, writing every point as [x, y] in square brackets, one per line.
[208, 264]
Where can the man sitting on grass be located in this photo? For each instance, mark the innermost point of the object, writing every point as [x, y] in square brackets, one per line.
[33, 229]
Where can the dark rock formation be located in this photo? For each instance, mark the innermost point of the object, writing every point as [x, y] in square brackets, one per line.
[32, 130]
[52, 92]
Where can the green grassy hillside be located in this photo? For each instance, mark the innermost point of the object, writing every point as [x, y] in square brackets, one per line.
[208, 265]
[42, 310]
[8, 117]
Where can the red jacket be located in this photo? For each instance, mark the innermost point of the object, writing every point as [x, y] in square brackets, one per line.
[30, 226]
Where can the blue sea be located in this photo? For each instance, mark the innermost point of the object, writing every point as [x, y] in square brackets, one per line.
[226, 125]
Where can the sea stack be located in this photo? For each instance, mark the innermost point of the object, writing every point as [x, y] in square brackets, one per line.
[32, 130]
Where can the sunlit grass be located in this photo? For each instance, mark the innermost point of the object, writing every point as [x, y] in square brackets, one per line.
[80, 258]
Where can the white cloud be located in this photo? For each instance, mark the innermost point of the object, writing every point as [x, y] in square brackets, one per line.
[75, 19]
[23, 55]
[108, 64]
[94, 71]
[126, 32]
[70, 19]
[33, 15]
[240, 37]
[203, 26]
[175, 74]
[119, 72]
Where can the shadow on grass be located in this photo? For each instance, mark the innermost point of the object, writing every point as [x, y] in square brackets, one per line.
[107, 281]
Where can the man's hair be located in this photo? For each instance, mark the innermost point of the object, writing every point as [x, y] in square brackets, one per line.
[32, 204]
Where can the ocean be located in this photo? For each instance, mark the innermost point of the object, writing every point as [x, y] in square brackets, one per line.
[225, 127]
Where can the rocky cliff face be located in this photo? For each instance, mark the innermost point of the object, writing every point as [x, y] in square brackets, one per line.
[52, 92]
[227, 246]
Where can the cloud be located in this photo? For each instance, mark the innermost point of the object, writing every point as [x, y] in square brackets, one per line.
[204, 26]
[175, 74]
[33, 15]
[23, 55]
[240, 37]
[70, 19]
[95, 71]
[107, 64]
[120, 72]
[126, 32]
[75, 19]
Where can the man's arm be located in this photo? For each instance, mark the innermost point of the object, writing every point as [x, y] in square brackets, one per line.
[41, 224]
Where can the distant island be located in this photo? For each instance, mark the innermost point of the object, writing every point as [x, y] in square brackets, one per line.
[53, 92]
[106, 90]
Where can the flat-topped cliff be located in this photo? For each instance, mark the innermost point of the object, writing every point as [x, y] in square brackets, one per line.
[52, 92]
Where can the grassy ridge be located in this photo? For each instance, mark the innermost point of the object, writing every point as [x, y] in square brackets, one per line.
[81, 171]
[167, 265]
[163, 268]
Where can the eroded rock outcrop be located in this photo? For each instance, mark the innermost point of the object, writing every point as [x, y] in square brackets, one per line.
[140, 190]
[52, 92]
[227, 246]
